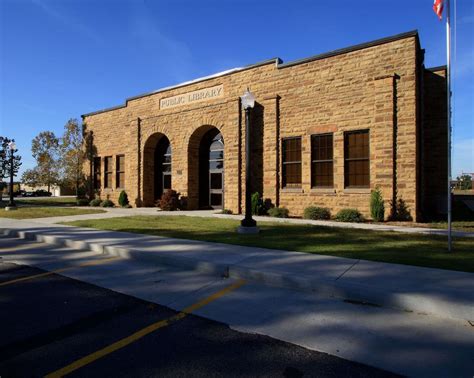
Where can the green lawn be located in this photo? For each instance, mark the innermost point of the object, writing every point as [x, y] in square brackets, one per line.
[44, 212]
[46, 201]
[409, 249]
[466, 226]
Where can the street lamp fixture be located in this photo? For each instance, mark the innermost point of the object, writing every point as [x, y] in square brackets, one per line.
[12, 147]
[248, 225]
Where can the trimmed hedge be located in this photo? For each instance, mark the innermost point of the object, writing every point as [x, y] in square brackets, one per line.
[349, 215]
[82, 202]
[123, 199]
[278, 212]
[258, 206]
[377, 207]
[95, 202]
[107, 203]
[169, 200]
[316, 213]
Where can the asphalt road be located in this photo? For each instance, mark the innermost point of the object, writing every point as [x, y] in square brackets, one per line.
[52, 321]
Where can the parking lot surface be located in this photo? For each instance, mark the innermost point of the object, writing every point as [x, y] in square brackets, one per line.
[51, 321]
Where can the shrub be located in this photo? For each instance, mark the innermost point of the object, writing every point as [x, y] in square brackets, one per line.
[123, 199]
[95, 202]
[278, 212]
[169, 200]
[81, 192]
[349, 215]
[258, 206]
[107, 203]
[82, 202]
[377, 208]
[316, 213]
[400, 212]
[226, 211]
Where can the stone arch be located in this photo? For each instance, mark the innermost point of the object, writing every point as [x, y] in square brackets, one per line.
[195, 169]
[156, 148]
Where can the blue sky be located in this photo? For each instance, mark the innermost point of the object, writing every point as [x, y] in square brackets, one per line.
[63, 58]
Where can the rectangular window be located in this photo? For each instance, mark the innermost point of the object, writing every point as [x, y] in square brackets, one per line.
[291, 162]
[120, 171]
[322, 167]
[96, 173]
[108, 172]
[356, 159]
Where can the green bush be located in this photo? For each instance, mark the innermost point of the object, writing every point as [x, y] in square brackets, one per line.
[316, 213]
[123, 199]
[226, 211]
[82, 202]
[278, 212]
[258, 206]
[400, 212]
[95, 202]
[377, 207]
[107, 203]
[349, 215]
[169, 200]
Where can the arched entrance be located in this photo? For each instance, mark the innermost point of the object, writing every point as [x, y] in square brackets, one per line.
[156, 168]
[206, 169]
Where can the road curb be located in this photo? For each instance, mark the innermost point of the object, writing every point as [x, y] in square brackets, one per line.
[355, 293]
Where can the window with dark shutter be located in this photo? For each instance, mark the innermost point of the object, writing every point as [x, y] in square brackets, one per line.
[108, 172]
[120, 171]
[291, 162]
[356, 159]
[322, 166]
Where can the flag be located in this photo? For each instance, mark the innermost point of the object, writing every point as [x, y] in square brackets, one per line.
[438, 8]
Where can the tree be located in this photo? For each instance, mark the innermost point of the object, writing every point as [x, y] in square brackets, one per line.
[45, 149]
[31, 177]
[6, 161]
[464, 182]
[72, 154]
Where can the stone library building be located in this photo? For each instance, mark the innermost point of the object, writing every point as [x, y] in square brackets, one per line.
[324, 131]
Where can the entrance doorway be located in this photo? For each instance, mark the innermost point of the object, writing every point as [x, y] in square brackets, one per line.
[162, 167]
[211, 170]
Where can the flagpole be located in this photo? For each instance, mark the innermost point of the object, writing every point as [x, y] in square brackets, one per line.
[448, 82]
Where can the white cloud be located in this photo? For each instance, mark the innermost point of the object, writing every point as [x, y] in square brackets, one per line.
[66, 19]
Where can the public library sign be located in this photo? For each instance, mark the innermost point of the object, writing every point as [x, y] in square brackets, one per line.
[191, 97]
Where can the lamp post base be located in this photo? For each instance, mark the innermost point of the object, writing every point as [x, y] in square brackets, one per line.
[10, 208]
[248, 230]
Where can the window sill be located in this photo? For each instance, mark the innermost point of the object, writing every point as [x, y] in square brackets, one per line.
[357, 190]
[292, 190]
[323, 190]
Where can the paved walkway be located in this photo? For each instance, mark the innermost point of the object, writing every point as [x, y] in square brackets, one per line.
[440, 292]
[119, 212]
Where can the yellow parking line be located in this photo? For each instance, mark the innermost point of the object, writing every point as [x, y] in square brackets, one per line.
[141, 333]
[89, 263]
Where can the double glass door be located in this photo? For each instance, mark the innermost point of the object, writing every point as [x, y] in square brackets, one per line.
[216, 172]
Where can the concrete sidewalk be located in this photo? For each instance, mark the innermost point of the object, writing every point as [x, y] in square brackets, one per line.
[440, 292]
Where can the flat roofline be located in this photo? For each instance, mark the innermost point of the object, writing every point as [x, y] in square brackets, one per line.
[274, 61]
[278, 64]
[345, 50]
[437, 68]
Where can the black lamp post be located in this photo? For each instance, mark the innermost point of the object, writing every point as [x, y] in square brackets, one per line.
[11, 205]
[248, 225]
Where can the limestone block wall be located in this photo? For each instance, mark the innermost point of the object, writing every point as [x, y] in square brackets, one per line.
[434, 149]
[374, 87]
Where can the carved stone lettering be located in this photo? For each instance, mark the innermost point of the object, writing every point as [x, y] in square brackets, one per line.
[191, 97]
